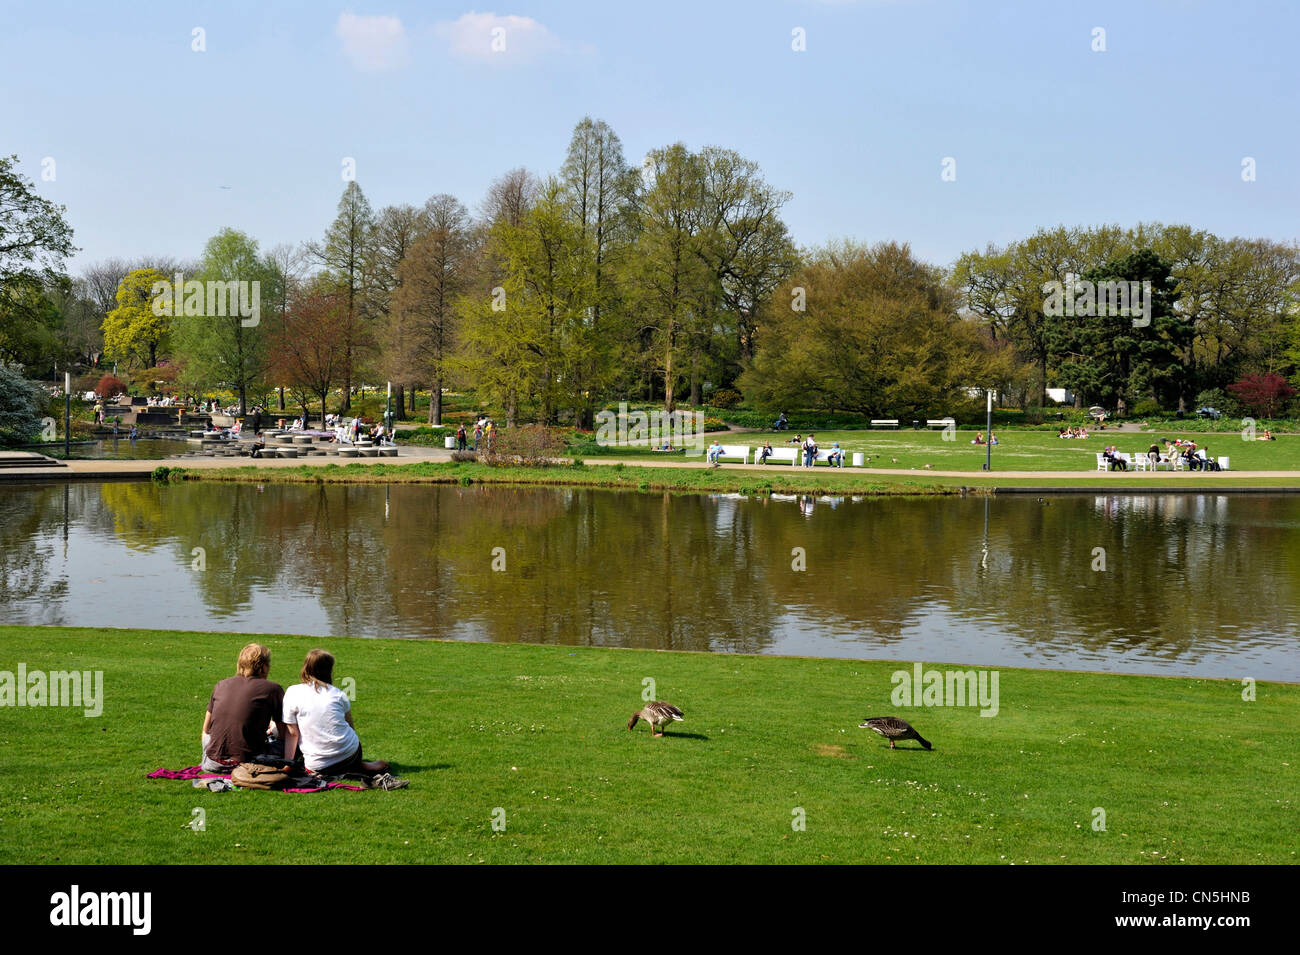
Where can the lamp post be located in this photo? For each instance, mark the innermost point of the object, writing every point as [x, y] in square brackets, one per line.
[988, 444]
[67, 415]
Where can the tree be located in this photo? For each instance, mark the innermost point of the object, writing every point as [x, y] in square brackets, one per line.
[310, 350]
[1110, 360]
[880, 336]
[34, 241]
[600, 188]
[529, 341]
[287, 265]
[395, 232]
[668, 272]
[34, 237]
[20, 406]
[433, 275]
[744, 244]
[1262, 395]
[345, 254]
[135, 330]
[225, 350]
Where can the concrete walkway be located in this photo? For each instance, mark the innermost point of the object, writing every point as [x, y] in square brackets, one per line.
[136, 469]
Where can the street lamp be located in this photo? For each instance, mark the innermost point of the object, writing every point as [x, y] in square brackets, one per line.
[988, 444]
[67, 415]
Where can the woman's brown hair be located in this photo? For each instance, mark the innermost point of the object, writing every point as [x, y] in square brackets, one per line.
[318, 669]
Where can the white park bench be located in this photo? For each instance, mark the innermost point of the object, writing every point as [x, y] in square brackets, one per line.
[778, 455]
[884, 422]
[730, 452]
[939, 422]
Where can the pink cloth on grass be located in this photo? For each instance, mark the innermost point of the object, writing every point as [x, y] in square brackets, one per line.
[196, 772]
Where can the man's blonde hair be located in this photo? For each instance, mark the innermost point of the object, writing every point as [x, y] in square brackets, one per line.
[254, 661]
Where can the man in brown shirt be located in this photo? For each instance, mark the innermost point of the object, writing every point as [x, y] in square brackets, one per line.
[241, 711]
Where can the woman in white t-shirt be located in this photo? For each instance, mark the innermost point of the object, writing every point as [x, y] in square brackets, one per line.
[318, 717]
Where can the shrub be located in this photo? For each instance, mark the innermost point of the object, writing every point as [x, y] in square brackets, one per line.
[1147, 408]
[20, 406]
[108, 386]
[1217, 398]
[462, 457]
[530, 446]
[160, 474]
[1262, 395]
[423, 436]
[725, 398]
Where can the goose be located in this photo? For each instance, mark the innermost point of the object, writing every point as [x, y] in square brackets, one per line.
[658, 714]
[892, 728]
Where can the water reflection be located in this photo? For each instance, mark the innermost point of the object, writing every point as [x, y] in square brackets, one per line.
[1191, 584]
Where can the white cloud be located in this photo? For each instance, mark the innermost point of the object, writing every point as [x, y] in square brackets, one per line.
[496, 38]
[372, 43]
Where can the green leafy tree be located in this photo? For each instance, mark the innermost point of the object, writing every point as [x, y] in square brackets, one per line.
[136, 330]
[880, 336]
[227, 350]
[34, 240]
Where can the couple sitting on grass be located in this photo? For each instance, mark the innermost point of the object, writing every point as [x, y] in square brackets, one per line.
[313, 718]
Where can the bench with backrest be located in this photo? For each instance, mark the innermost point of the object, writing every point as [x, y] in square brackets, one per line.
[884, 422]
[787, 455]
[939, 422]
[730, 452]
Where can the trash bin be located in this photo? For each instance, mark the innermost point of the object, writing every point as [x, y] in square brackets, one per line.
[858, 459]
[449, 442]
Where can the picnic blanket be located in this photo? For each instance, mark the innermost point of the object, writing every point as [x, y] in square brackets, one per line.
[196, 772]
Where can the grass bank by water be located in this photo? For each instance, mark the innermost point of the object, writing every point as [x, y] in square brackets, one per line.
[535, 738]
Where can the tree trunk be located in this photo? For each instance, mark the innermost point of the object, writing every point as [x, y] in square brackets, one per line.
[435, 404]
[400, 404]
[281, 398]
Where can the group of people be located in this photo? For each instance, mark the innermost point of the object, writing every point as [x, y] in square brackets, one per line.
[1191, 456]
[979, 439]
[485, 433]
[1073, 433]
[808, 452]
[251, 719]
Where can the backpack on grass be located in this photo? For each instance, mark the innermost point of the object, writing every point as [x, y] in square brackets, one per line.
[259, 776]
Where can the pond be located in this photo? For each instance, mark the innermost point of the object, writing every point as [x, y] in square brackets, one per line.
[1205, 585]
[116, 449]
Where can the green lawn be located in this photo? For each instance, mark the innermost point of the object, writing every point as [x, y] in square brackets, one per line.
[1183, 768]
[1031, 450]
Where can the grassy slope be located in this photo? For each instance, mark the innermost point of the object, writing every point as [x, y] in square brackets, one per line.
[699, 479]
[1185, 770]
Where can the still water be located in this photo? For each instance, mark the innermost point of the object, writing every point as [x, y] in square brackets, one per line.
[1201, 585]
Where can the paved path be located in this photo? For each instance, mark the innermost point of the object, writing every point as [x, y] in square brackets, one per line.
[134, 469]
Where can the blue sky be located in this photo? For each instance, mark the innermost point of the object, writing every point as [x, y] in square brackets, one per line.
[144, 131]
